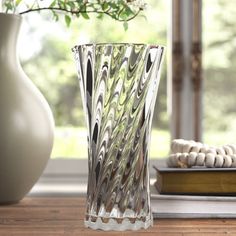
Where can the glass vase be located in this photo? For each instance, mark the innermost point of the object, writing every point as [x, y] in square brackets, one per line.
[118, 84]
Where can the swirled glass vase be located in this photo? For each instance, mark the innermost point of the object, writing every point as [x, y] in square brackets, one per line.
[119, 84]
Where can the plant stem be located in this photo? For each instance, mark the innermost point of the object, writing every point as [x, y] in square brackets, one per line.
[77, 12]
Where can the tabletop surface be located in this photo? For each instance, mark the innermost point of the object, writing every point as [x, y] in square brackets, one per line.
[64, 216]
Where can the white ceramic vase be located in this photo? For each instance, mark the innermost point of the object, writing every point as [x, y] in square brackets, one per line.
[26, 121]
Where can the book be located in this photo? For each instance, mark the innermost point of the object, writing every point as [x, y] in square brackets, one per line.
[188, 206]
[200, 181]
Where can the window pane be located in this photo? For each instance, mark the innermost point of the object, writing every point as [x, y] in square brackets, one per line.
[219, 62]
[48, 60]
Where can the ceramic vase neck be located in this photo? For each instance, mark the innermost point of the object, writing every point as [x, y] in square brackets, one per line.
[9, 30]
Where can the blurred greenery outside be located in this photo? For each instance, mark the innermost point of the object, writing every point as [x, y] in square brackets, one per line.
[52, 68]
[219, 63]
[47, 59]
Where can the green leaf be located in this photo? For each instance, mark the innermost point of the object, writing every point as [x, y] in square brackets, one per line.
[113, 5]
[105, 6]
[129, 11]
[18, 2]
[85, 15]
[55, 15]
[125, 25]
[67, 20]
[126, 13]
[53, 3]
[9, 6]
[71, 4]
[100, 16]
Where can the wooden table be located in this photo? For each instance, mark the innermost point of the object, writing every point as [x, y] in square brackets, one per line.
[64, 216]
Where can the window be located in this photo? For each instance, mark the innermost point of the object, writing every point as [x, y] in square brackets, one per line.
[219, 64]
[48, 61]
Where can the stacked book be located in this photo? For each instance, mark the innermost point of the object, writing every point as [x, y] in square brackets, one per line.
[194, 193]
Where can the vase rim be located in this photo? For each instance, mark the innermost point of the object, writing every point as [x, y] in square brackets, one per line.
[11, 15]
[117, 44]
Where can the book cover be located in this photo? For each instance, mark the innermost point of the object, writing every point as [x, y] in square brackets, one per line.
[200, 181]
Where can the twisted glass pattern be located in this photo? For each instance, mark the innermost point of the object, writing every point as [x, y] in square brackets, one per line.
[119, 85]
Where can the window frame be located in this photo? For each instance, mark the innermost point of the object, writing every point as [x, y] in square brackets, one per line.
[185, 71]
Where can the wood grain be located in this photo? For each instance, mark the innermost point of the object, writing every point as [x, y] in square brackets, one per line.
[64, 216]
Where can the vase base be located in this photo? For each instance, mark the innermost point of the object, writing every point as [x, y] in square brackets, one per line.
[117, 225]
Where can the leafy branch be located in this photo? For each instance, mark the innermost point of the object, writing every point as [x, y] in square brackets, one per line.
[120, 10]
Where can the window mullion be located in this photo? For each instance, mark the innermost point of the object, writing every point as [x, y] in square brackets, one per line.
[185, 76]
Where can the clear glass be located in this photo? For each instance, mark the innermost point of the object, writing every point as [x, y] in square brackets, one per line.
[119, 84]
[41, 46]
